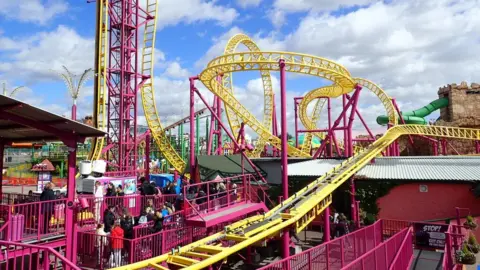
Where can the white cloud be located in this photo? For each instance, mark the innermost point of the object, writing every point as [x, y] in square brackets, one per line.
[173, 12]
[248, 3]
[33, 58]
[36, 11]
[318, 5]
[174, 70]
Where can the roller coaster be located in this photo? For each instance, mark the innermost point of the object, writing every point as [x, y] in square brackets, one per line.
[298, 210]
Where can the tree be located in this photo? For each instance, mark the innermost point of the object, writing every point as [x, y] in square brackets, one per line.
[11, 92]
[74, 86]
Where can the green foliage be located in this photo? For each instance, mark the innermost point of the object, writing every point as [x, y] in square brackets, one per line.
[368, 192]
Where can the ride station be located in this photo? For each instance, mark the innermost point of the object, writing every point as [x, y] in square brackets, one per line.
[144, 198]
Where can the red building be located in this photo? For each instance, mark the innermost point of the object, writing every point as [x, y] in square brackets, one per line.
[429, 188]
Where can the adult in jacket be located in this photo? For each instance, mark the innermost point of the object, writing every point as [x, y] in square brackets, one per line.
[47, 198]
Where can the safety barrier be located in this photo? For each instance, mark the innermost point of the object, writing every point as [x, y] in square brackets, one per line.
[34, 220]
[395, 253]
[24, 257]
[206, 197]
[334, 254]
[404, 256]
[134, 203]
[16, 198]
[345, 250]
[455, 236]
[100, 252]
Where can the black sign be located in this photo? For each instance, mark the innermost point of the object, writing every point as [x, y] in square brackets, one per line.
[430, 236]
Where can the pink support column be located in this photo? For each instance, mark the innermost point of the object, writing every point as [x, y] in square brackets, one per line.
[435, 148]
[358, 88]
[353, 201]
[147, 156]
[69, 222]
[335, 125]
[192, 130]
[229, 134]
[212, 127]
[219, 149]
[477, 147]
[344, 119]
[2, 150]
[444, 147]
[74, 110]
[274, 118]
[329, 110]
[296, 121]
[326, 226]
[284, 152]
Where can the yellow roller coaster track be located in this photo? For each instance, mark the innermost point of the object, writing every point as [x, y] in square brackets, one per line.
[227, 81]
[310, 122]
[148, 93]
[302, 207]
[297, 63]
[100, 83]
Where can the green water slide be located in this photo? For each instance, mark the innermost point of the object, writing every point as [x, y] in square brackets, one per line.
[417, 117]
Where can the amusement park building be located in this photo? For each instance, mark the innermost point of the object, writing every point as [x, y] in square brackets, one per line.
[429, 187]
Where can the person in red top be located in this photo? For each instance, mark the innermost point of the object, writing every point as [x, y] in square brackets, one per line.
[117, 235]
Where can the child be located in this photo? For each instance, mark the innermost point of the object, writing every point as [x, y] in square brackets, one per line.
[117, 244]
[101, 242]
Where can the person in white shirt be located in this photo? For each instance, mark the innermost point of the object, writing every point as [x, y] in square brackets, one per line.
[98, 201]
[101, 242]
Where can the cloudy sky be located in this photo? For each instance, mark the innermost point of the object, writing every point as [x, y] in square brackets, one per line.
[410, 48]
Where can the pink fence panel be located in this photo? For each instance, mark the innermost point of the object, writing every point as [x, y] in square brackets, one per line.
[381, 257]
[134, 204]
[36, 220]
[404, 255]
[336, 253]
[25, 257]
[101, 252]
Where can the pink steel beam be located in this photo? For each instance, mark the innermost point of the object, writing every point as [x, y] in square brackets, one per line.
[284, 152]
[351, 118]
[124, 81]
[363, 123]
[295, 104]
[336, 123]
[274, 118]
[193, 175]
[232, 138]
[212, 127]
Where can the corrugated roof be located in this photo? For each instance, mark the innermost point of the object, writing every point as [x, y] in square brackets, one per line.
[314, 167]
[449, 168]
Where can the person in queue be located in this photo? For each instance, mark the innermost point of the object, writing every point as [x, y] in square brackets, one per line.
[109, 219]
[47, 208]
[98, 200]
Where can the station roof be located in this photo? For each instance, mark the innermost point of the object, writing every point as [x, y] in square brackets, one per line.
[312, 168]
[224, 166]
[426, 168]
[21, 122]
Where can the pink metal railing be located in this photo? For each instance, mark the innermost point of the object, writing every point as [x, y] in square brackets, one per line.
[16, 198]
[133, 203]
[454, 238]
[97, 252]
[385, 254]
[334, 254]
[34, 220]
[24, 257]
[404, 256]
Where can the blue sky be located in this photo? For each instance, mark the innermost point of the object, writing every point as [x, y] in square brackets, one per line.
[393, 43]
